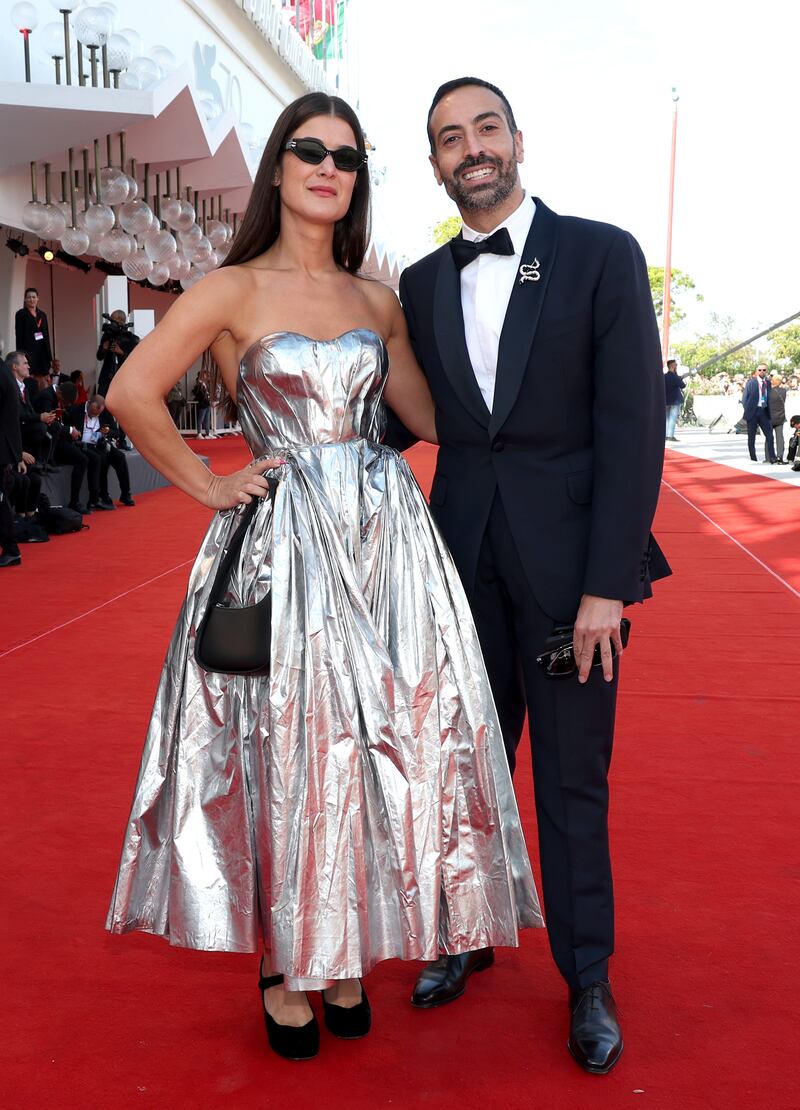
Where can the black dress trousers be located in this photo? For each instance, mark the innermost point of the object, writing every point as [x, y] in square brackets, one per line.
[572, 728]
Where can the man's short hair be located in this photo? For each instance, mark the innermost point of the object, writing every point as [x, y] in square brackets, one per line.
[68, 392]
[13, 357]
[31, 289]
[460, 82]
[794, 420]
[671, 362]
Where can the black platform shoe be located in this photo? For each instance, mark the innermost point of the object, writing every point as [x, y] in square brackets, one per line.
[349, 1023]
[595, 1038]
[290, 1041]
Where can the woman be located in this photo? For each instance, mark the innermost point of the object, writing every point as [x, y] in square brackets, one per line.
[203, 399]
[355, 805]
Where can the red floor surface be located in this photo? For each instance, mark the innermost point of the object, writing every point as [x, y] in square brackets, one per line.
[704, 825]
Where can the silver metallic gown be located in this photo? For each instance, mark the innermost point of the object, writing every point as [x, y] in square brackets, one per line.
[356, 804]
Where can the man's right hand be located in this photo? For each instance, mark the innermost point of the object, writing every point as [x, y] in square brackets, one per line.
[47, 417]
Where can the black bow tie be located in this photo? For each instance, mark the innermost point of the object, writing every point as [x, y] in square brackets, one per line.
[466, 251]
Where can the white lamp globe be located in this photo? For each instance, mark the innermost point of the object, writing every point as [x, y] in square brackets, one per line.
[120, 53]
[146, 70]
[164, 59]
[51, 40]
[128, 80]
[161, 247]
[75, 241]
[179, 268]
[216, 233]
[98, 219]
[171, 211]
[24, 17]
[113, 185]
[191, 236]
[116, 245]
[34, 215]
[136, 217]
[133, 37]
[137, 266]
[202, 249]
[187, 217]
[55, 223]
[92, 26]
[209, 263]
[66, 5]
[159, 274]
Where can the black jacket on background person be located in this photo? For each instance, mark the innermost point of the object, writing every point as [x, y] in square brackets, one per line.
[27, 326]
[10, 456]
[126, 341]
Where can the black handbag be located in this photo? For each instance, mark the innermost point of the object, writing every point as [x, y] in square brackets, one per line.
[233, 640]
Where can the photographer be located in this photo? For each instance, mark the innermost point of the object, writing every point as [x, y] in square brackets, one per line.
[116, 343]
[97, 429]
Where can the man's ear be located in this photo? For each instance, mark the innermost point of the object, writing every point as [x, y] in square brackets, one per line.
[519, 146]
[436, 173]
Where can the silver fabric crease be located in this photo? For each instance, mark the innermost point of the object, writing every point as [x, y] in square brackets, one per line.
[356, 804]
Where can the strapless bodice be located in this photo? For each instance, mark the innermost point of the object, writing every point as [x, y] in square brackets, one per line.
[297, 391]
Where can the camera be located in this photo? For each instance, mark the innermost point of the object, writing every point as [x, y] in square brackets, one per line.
[112, 330]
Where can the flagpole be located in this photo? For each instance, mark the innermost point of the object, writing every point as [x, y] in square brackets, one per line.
[668, 260]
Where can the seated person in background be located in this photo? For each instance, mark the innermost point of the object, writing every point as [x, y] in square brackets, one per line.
[66, 442]
[33, 425]
[26, 488]
[97, 428]
[76, 377]
[793, 452]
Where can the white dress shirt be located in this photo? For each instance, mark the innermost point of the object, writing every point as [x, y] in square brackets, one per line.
[486, 285]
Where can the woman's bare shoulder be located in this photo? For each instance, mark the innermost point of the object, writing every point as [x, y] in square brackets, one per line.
[382, 301]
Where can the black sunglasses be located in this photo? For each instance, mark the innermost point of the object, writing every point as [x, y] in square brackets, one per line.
[345, 158]
[560, 661]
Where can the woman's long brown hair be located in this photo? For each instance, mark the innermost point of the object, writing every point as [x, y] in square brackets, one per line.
[261, 223]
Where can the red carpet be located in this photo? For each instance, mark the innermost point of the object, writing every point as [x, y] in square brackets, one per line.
[704, 822]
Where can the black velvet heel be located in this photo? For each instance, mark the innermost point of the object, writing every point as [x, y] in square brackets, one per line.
[348, 1023]
[291, 1042]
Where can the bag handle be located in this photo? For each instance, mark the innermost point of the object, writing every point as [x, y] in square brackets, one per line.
[234, 546]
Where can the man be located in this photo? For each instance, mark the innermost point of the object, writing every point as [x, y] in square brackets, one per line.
[67, 445]
[673, 389]
[96, 427]
[10, 463]
[544, 363]
[793, 450]
[33, 425]
[776, 406]
[755, 401]
[32, 334]
[116, 344]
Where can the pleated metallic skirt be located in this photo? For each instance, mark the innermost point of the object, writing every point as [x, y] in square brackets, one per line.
[356, 804]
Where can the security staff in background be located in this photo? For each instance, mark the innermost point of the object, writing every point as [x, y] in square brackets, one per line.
[32, 334]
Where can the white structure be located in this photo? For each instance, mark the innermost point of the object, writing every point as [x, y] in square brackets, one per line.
[227, 71]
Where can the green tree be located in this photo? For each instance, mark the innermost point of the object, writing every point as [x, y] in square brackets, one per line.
[785, 346]
[680, 286]
[446, 230]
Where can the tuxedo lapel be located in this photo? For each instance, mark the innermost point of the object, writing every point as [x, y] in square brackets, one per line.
[522, 315]
[448, 324]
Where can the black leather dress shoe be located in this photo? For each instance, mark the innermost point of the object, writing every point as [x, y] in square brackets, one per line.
[595, 1038]
[9, 560]
[445, 979]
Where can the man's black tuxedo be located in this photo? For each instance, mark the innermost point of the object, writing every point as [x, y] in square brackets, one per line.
[572, 442]
[10, 455]
[549, 497]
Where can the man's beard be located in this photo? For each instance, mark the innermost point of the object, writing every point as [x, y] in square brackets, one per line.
[483, 199]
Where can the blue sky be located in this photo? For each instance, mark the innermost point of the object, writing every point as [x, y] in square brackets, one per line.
[590, 83]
